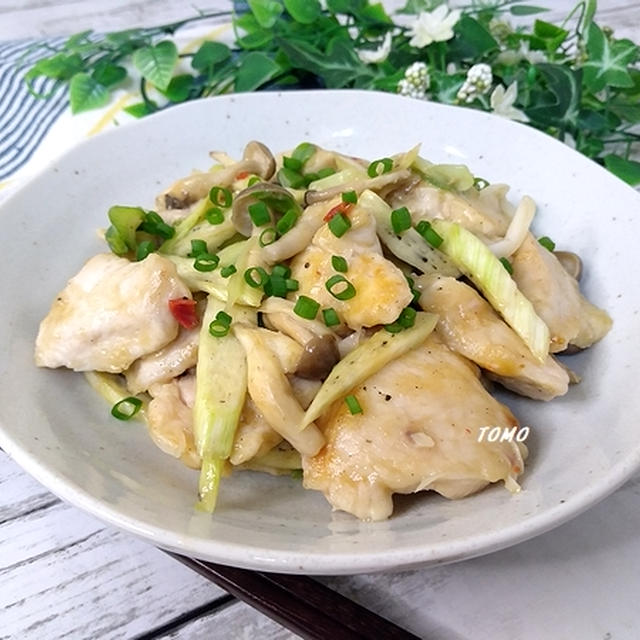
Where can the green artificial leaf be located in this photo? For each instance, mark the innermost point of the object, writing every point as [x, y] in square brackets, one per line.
[140, 109]
[525, 10]
[346, 6]
[547, 36]
[446, 86]
[77, 40]
[416, 6]
[589, 8]
[559, 105]
[209, 54]
[108, 74]
[266, 12]
[375, 13]
[179, 87]
[256, 69]
[256, 39]
[472, 40]
[59, 66]
[591, 120]
[608, 61]
[303, 11]
[627, 170]
[86, 93]
[629, 111]
[156, 63]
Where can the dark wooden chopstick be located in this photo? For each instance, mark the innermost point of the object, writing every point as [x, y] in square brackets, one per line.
[299, 603]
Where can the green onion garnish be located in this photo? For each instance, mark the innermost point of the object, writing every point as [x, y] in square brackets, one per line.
[340, 288]
[197, 247]
[303, 152]
[292, 163]
[394, 327]
[276, 286]
[281, 270]
[507, 265]
[547, 243]
[407, 317]
[220, 327]
[287, 222]
[353, 404]
[291, 284]
[227, 271]
[325, 173]
[330, 317]
[259, 214]
[253, 180]
[126, 408]
[425, 229]
[214, 216]
[350, 196]
[144, 249]
[339, 225]
[255, 277]
[400, 220]
[290, 178]
[220, 196]
[339, 264]
[378, 167]
[206, 262]
[480, 183]
[223, 317]
[306, 307]
[156, 226]
[268, 236]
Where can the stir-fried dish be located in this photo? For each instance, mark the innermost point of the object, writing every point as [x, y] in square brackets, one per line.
[327, 317]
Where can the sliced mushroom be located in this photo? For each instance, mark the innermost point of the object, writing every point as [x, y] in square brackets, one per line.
[260, 154]
[320, 355]
[571, 263]
[240, 209]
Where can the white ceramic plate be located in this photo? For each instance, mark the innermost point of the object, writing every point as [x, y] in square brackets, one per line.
[583, 445]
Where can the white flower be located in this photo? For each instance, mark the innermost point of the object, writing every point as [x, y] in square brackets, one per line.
[478, 82]
[512, 57]
[416, 81]
[372, 56]
[433, 26]
[502, 103]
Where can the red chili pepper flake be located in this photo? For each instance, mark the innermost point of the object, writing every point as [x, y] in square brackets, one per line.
[343, 207]
[242, 175]
[184, 311]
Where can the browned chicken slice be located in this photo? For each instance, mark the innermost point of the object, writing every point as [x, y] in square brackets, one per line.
[419, 429]
[468, 325]
[556, 297]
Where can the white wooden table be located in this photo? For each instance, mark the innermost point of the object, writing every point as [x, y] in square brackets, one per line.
[64, 574]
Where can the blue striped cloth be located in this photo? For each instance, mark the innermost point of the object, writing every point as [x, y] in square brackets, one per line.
[24, 118]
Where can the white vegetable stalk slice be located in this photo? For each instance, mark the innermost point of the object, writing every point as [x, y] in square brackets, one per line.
[445, 176]
[517, 231]
[221, 386]
[237, 289]
[346, 176]
[365, 360]
[410, 246]
[113, 391]
[476, 261]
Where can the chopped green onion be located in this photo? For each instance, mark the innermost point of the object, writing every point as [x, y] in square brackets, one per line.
[547, 243]
[339, 224]
[331, 318]
[340, 288]
[197, 247]
[253, 180]
[507, 265]
[220, 196]
[480, 183]
[227, 271]
[259, 214]
[339, 264]
[268, 236]
[257, 280]
[290, 178]
[287, 222]
[223, 317]
[156, 226]
[394, 327]
[276, 286]
[353, 404]
[378, 167]
[291, 284]
[144, 249]
[281, 270]
[126, 408]
[303, 152]
[306, 307]
[429, 234]
[214, 216]
[206, 262]
[407, 317]
[350, 196]
[296, 474]
[292, 163]
[218, 329]
[325, 173]
[400, 220]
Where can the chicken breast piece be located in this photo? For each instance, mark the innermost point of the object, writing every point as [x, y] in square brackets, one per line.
[254, 437]
[469, 326]
[110, 314]
[381, 288]
[556, 297]
[419, 429]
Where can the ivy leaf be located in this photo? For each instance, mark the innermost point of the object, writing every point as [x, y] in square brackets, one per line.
[266, 12]
[256, 69]
[559, 106]
[140, 109]
[547, 36]
[303, 11]
[627, 170]
[209, 54]
[256, 39]
[179, 87]
[526, 10]
[108, 74]
[59, 66]
[472, 40]
[346, 6]
[86, 93]
[156, 63]
[608, 61]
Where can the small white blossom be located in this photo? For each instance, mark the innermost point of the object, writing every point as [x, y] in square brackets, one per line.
[500, 29]
[512, 57]
[433, 26]
[416, 81]
[373, 56]
[478, 82]
[502, 103]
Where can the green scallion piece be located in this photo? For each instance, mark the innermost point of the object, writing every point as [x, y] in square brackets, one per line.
[325, 173]
[394, 327]
[339, 225]
[339, 264]
[303, 152]
[259, 214]
[214, 215]
[290, 178]
[206, 262]
[197, 247]
[223, 317]
[219, 329]
[306, 307]
[227, 271]
[400, 220]
[253, 180]
[507, 265]
[353, 404]
[144, 249]
[268, 236]
[156, 226]
[287, 222]
[291, 284]
[276, 286]
[220, 196]
[547, 243]
[429, 234]
[126, 408]
[256, 277]
[350, 196]
[292, 163]
[281, 270]
[480, 183]
[330, 316]
[407, 317]
[340, 288]
[378, 167]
